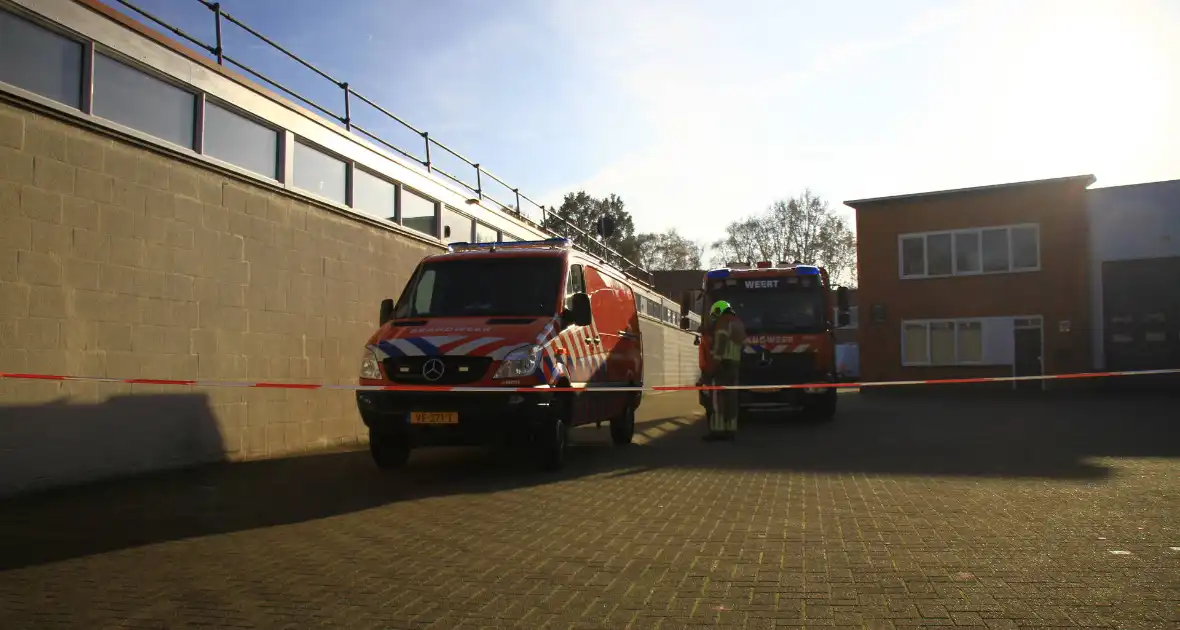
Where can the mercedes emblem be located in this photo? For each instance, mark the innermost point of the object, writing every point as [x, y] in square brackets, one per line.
[433, 369]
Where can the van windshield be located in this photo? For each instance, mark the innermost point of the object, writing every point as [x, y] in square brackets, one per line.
[481, 288]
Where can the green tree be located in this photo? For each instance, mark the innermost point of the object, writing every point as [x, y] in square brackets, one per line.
[583, 211]
[668, 251]
[802, 228]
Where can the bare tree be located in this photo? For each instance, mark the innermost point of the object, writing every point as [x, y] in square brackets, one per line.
[802, 228]
[668, 251]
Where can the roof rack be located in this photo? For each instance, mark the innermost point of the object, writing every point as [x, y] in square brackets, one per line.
[549, 243]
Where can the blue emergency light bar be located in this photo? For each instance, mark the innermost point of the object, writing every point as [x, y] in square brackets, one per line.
[471, 247]
[802, 270]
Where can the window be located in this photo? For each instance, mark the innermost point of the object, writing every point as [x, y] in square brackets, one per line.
[970, 252]
[425, 291]
[483, 288]
[914, 350]
[239, 140]
[791, 308]
[1026, 251]
[995, 250]
[969, 340]
[485, 234]
[40, 61]
[140, 101]
[913, 256]
[418, 212]
[373, 195]
[943, 342]
[319, 173]
[967, 252]
[575, 282]
[456, 228]
[939, 255]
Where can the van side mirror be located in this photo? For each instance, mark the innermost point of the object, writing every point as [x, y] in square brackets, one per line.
[696, 340]
[580, 309]
[386, 312]
[685, 303]
[684, 323]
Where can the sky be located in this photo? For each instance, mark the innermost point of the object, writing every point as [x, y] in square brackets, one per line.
[698, 113]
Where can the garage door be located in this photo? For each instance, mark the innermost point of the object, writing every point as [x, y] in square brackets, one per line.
[1141, 306]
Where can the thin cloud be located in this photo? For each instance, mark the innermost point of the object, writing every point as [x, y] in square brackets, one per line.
[959, 95]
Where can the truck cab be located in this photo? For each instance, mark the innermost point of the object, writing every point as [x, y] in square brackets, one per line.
[534, 327]
[787, 312]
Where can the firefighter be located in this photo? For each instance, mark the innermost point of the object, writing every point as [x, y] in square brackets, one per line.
[728, 335]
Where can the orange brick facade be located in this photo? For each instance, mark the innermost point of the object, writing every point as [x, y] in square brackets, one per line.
[1058, 292]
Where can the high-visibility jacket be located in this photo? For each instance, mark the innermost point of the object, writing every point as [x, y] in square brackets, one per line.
[728, 336]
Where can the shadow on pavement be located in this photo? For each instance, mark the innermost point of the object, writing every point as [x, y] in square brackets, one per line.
[60, 443]
[1002, 438]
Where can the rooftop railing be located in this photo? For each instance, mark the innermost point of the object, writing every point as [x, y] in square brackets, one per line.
[549, 221]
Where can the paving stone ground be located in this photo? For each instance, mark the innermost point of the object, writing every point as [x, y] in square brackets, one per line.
[901, 513]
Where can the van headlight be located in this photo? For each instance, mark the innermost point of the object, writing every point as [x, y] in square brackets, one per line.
[520, 362]
[370, 367]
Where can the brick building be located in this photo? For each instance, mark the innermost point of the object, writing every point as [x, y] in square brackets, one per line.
[673, 283]
[985, 281]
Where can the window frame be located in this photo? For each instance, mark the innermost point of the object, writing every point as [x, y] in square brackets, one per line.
[443, 208]
[86, 69]
[199, 96]
[348, 166]
[399, 216]
[238, 111]
[354, 167]
[929, 359]
[476, 225]
[954, 238]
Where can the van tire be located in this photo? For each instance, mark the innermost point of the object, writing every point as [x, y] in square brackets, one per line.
[552, 436]
[389, 451]
[552, 443]
[622, 426]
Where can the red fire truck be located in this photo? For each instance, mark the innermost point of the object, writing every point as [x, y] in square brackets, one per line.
[788, 311]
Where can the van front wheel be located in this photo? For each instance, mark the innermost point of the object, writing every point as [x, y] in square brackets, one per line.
[388, 451]
[551, 442]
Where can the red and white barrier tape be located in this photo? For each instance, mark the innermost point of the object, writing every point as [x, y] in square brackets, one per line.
[653, 388]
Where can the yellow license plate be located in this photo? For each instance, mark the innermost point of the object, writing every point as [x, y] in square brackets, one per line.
[434, 417]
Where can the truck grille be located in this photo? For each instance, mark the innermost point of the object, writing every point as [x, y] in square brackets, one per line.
[779, 369]
[456, 370]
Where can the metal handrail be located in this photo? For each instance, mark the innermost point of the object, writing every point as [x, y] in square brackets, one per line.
[581, 238]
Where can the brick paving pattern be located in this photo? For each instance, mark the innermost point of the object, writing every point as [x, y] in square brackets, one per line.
[902, 513]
